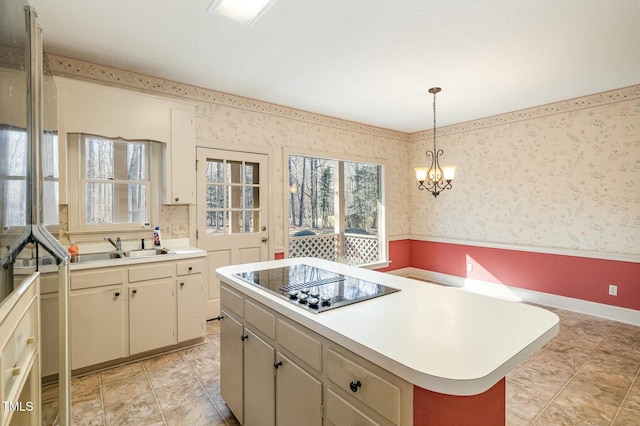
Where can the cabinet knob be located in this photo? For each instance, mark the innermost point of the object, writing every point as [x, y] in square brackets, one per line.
[243, 338]
[134, 291]
[277, 364]
[15, 371]
[177, 199]
[182, 284]
[116, 294]
[355, 385]
[190, 268]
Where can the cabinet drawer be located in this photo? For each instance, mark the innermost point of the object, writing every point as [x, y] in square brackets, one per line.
[19, 350]
[96, 278]
[188, 267]
[374, 391]
[152, 271]
[231, 301]
[260, 319]
[299, 343]
[340, 412]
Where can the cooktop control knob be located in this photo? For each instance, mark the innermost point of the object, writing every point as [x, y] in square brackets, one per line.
[293, 294]
[314, 293]
[325, 300]
[313, 302]
[305, 291]
[303, 298]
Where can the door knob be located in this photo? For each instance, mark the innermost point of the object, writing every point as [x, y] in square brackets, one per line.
[264, 239]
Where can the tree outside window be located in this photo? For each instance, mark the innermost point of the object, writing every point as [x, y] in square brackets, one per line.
[334, 209]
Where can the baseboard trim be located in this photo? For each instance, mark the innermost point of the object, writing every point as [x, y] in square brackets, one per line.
[616, 313]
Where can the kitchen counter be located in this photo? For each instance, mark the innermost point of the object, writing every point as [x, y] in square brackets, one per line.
[440, 339]
[174, 254]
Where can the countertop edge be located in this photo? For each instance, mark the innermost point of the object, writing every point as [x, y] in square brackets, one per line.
[445, 385]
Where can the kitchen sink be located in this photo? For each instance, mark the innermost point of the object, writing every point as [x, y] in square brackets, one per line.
[93, 257]
[145, 252]
[110, 255]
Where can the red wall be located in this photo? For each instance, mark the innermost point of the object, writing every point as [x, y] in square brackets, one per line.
[570, 276]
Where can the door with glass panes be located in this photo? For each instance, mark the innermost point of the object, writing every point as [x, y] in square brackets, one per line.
[232, 210]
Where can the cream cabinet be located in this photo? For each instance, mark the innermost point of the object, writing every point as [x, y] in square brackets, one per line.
[315, 381]
[123, 311]
[259, 381]
[298, 395]
[191, 299]
[152, 315]
[260, 385]
[20, 355]
[98, 323]
[231, 356]
[180, 159]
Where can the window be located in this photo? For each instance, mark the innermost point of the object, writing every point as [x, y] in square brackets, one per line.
[14, 160]
[233, 196]
[335, 210]
[115, 190]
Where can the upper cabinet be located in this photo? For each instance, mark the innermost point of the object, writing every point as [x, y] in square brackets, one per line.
[179, 173]
[118, 113]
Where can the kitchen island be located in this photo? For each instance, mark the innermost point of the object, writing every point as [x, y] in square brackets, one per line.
[427, 354]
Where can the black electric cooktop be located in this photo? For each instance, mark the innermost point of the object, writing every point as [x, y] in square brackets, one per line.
[314, 289]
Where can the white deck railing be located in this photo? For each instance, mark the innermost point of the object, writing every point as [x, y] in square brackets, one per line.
[358, 249]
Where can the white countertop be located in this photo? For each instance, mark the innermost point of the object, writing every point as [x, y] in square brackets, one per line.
[439, 338]
[175, 254]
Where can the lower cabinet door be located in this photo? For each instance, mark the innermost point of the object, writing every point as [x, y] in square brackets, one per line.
[152, 316]
[231, 360]
[298, 395]
[259, 381]
[98, 333]
[190, 308]
[340, 412]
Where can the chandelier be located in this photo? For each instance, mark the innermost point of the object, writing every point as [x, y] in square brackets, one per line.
[434, 178]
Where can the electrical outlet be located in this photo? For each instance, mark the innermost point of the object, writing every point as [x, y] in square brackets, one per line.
[469, 267]
[613, 290]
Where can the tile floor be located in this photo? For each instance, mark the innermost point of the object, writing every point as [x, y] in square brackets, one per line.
[587, 375]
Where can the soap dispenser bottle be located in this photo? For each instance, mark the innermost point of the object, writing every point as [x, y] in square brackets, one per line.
[157, 238]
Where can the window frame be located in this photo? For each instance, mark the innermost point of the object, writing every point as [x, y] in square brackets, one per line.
[340, 159]
[79, 230]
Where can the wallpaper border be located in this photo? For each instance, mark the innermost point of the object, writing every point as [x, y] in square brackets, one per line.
[75, 68]
[69, 67]
[576, 104]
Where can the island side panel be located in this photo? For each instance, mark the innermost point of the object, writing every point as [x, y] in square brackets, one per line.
[433, 408]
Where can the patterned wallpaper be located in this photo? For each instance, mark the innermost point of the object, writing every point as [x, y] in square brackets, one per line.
[553, 177]
[229, 121]
[564, 175]
[217, 125]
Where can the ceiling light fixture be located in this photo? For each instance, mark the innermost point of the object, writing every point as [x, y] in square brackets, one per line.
[437, 178]
[244, 11]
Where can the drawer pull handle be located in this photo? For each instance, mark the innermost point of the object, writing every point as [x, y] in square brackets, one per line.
[245, 337]
[278, 364]
[15, 371]
[31, 340]
[355, 385]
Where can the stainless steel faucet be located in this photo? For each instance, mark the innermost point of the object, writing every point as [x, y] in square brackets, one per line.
[117, 244]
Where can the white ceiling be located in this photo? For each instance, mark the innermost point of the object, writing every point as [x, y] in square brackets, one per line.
[369, 61]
